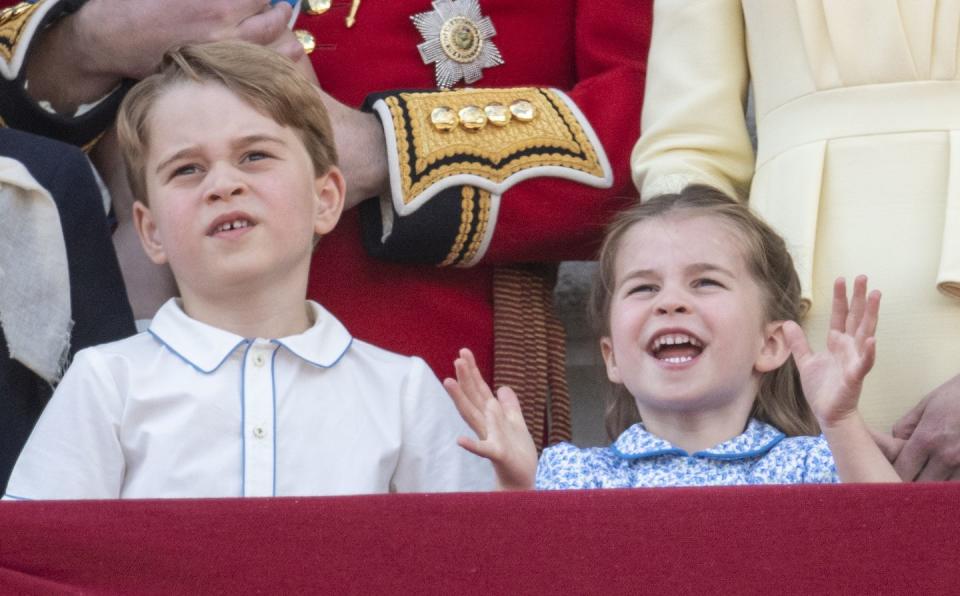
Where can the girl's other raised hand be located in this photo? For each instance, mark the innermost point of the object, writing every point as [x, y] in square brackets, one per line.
[832, 379]
[498, 423]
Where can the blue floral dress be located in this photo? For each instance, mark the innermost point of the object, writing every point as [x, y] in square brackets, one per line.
[761, 455]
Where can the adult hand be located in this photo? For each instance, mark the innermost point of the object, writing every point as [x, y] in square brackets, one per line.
[361, 149]
[932, 434]
[84, 55]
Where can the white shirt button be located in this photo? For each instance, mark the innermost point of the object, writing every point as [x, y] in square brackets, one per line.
[258, 359]
[258, 432]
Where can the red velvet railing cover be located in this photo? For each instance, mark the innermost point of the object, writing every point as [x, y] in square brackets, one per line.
[853, 539]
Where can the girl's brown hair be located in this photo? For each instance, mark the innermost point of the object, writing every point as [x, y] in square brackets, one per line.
[270, 83]
[780, 400]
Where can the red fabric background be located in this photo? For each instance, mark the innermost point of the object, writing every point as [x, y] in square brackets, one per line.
[799, 539]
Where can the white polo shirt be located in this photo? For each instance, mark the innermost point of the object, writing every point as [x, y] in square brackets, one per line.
[189, 410]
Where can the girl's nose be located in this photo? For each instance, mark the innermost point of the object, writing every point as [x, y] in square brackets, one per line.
[672, 302]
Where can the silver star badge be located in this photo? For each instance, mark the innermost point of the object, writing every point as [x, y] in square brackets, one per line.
[457, 38]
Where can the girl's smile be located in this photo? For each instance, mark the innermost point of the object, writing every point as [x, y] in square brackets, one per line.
[686, 319]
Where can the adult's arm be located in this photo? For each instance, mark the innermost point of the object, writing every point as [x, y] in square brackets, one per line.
[537, 191]
[932, 434]
[78, 57]
[694, 128]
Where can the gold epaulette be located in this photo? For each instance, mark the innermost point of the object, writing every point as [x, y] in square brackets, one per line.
[17, 24]
[488, 138]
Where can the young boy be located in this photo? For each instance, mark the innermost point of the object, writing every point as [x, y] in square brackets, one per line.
[240, 387]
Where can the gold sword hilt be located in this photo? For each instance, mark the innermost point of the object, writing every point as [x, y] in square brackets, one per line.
[352, 17]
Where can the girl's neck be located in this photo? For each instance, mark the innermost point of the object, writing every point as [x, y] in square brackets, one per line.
[697, 430]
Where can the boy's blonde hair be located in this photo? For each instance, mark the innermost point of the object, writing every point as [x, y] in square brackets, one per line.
[270, 83]
[780, 400]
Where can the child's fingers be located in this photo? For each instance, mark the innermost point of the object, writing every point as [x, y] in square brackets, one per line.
[857, 304]
[508, 399]
[472, 415]
[477, 448]
[867, 358]
[796, 341]
[512, 410]
[838, 312]
[472, 382]
[871, 314]
[469, 376]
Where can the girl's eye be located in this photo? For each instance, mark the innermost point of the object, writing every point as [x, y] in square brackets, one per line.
[707, 282]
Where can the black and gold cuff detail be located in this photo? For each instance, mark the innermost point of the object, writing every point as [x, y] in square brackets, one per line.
[453, 229]
[488, 138]
[14, 21]
[19, 27]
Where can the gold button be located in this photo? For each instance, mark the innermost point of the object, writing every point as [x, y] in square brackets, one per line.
[523, 110]
[318, 6]
[498, 114]
[258, 359]
[258, 432]
[306, 40]
[444, 118]
[472, 118]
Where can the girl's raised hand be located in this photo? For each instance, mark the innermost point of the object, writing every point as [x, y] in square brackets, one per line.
[832, 379]
[498, 422]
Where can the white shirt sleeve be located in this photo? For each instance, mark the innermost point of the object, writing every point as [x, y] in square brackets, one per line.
[430, 459]
[74, 451]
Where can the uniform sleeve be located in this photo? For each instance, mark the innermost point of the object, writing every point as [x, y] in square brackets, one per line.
[537, 190]
[74, 451]
[430, 459]
[694, 128]
[20, 26]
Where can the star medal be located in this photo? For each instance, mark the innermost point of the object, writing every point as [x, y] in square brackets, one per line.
[457, 39]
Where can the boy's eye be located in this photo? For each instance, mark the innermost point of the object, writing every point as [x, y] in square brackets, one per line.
[256, 156]
[185, 170]
[642, 289]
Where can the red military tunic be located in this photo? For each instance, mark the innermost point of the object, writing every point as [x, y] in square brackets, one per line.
[593, 51]
[414, 272]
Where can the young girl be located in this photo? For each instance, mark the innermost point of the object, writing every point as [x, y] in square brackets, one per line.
[696, 302]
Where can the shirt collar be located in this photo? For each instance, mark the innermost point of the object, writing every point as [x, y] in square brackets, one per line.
[205, 347]
[637, 443]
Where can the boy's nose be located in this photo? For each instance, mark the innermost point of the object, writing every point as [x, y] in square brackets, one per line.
[224, 184]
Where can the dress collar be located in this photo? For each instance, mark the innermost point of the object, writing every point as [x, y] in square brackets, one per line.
[206, 348]
[637, 443]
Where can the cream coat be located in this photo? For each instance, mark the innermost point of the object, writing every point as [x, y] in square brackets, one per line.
[858, 162]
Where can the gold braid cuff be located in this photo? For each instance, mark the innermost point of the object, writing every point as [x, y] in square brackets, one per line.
[17, 24]
[441, 139]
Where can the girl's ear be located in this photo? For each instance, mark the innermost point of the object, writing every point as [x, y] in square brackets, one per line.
[613, 372]
[149, 234]
[330, 190]
[774, 351]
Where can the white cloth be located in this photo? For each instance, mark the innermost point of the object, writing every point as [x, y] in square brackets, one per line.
[34, 278]
[188, 410]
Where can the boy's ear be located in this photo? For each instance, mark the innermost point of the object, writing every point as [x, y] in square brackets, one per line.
[149, 234]
[774, 351]
[606, 349]
[330, 190]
